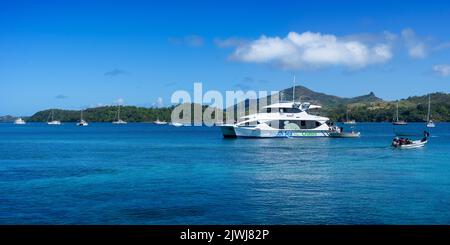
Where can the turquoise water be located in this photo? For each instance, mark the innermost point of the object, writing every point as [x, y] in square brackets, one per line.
[149, 174]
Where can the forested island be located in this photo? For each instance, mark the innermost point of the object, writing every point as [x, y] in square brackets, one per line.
[366, 108]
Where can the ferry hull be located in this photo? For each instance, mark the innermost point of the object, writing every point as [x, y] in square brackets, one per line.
[228, 131]
[244, 132]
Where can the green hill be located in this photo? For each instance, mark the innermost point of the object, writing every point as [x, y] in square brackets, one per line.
[109, 114]
[365, 108]
[370, 108]
[106, 114]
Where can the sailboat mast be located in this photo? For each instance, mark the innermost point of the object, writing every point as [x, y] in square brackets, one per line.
[52, 115]
[429, 107]
[118, 113]
[397, 111]
[293, 91]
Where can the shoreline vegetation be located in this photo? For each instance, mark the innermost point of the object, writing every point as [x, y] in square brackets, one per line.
[366, 108]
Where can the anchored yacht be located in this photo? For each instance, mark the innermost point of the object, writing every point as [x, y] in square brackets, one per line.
[399, 122]
[285, 120]
[119, 121]
[53, 121]
[160, 122]
[430, 123]
[348, 121]
[82, 122]
[19, 121]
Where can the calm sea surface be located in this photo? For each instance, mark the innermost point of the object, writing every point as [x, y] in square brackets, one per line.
[150, 174]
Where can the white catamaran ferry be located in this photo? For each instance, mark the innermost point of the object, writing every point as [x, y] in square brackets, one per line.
[285, 120]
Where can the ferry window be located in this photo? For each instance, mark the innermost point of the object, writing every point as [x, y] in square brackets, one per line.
[310, 124]
[269, 110]
[281, 110]
[290, 125]
[276, 124]
[291, 110]
[303, 124]
[317, 124]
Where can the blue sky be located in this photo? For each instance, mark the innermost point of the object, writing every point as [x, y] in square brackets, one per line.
[74, 54]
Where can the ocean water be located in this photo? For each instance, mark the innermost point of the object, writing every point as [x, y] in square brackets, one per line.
[150, 174]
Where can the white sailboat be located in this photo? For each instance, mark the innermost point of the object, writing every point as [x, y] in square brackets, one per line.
[19, 121]
[53, 121]
[119, 121]
[430, 123]
[399, 122]
[160, 122]
[348, 121]
[82, 122]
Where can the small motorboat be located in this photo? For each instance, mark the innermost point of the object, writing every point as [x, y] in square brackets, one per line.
[352, 134]
[409, 144]
[338, 132]
[405, 143]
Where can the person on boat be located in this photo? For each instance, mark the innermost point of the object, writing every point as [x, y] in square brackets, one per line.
[396, 142]
[425, 136]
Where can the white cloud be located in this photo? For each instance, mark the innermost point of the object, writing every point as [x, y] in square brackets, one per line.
[229, 42]
[115, 72]
[416, 47]
[313, 50]
[442, 46]
[190, 40]
[119, 101]
[442, 69]
[159, 102]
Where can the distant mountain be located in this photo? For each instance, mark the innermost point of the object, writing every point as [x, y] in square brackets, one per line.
[364, 99]
[7, 118]
[325, 100]
[370, 108]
